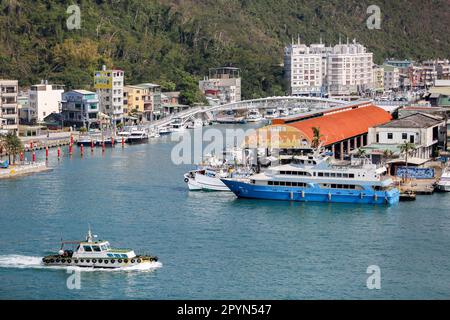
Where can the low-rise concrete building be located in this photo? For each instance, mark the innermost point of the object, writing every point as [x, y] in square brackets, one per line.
[9, 114]
[391, 78]
[144, 100]
[44, 99]
[223, 84]
[80, 108]
[427, 132]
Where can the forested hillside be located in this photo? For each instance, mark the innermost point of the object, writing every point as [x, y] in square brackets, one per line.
[174, 42]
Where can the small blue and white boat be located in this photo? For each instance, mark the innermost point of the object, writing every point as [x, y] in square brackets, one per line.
[317, 179]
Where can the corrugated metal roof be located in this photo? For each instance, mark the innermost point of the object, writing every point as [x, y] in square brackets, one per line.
[340, 126]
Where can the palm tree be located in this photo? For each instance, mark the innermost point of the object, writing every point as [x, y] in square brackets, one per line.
[387, 154]
[406, 149]
[360, 153]
[12, 145]
[317, 137]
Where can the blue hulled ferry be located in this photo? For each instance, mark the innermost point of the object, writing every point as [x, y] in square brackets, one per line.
[316, 178]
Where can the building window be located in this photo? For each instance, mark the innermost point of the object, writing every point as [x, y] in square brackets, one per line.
[404, 136]
[411, 139]
[390, 136]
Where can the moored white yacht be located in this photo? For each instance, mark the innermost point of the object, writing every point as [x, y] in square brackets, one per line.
[444, 181]
[137, 135]
[283, 112]
[271, 114]
[92, 253]
[316, 178]
[178, 125]
[254, 116]
[197, 123]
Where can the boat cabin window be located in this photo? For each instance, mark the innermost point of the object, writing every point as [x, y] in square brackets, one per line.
[87, 248]
[351, 175]
[320, 174]
[104, 247]
[288, 183]
[96, 248]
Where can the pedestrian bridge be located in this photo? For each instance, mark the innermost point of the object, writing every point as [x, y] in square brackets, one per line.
[208, 112]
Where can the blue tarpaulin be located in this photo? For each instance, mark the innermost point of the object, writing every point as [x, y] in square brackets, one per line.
[416, 173]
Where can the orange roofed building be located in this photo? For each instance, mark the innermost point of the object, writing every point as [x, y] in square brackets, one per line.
[342, 129]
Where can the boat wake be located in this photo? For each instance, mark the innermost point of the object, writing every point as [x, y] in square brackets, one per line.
[30, 262]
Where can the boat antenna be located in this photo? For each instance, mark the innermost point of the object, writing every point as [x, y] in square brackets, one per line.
[89, 235]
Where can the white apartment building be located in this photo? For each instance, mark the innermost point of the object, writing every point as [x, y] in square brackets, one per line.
[391, 77]
[9, 115]
[222, 85]
[109, 85]
[44, 99]
[343, 69]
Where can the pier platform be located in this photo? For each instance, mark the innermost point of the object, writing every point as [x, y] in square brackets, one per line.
[23, 169]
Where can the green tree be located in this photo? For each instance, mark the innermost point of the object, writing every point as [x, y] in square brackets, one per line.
[12, 145]
[317, 137]
[406, 148]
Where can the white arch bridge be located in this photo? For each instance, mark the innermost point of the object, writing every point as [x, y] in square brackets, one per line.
[209, 112]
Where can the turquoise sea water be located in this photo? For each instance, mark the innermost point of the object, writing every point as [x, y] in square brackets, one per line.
[212, 245]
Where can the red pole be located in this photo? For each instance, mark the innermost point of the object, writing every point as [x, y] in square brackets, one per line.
[123, 142]
[82, 150]
[46, 153]
[71, 139]
[33, 156]
[70, 149]
[21, 156]
[31, 145]
[59, 153]
[112, 141]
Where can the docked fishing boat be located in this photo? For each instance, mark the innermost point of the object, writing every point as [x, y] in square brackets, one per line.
[86, 141]
[137, 135]
[123, 136]
[283, 112]
[92, 253]
[178, 125]
[197, 123]
[254, 116]
[272, 114]
[316, 178]
[165, 131]
[230, 117]
[444, 182]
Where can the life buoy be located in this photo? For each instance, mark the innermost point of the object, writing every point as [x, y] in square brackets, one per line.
[126, 260]
[63, 260]
[186, 180]
[132, 260]
[100, 260]
[76, 261]
[87, 260]
[113, 261]
[138, 260]
[57, 260]
[119, 261]
[52, 260]
[94, 260]
[69, 261]
[81, 260]
[106, 261]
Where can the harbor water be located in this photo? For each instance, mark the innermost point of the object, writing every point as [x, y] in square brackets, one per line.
[212, 245]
